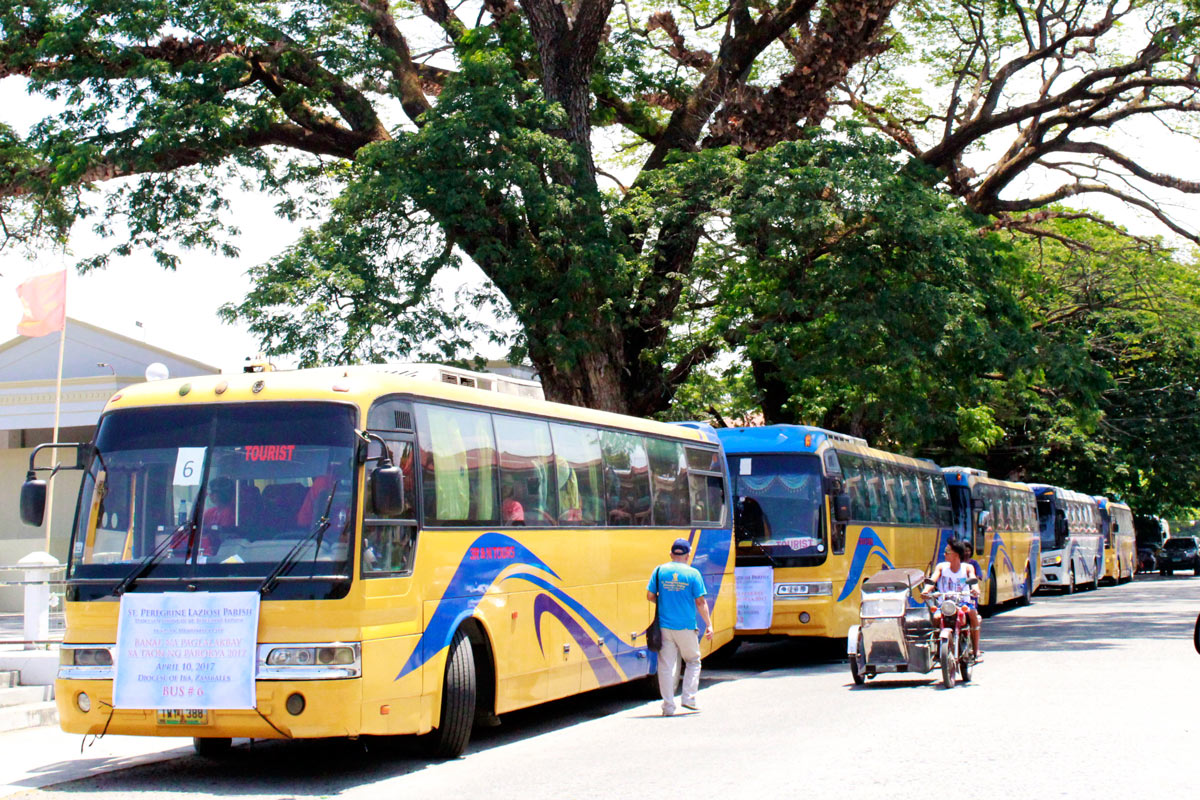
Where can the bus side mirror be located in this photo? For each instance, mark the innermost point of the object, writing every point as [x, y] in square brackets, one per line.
[1116, 527]
[841, 507]
[977, 503]
[985, 519]
[387, 491]
[33, 501]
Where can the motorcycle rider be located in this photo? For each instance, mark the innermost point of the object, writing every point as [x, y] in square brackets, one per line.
[952, 575]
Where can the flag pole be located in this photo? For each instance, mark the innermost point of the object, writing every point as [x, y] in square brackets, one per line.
[62, 346]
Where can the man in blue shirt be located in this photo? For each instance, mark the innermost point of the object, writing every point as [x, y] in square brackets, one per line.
[678, 589]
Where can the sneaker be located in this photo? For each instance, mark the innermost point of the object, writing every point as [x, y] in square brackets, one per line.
[691, 706]
[668, 712]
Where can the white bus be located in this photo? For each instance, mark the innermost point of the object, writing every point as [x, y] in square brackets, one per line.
[1072, 545]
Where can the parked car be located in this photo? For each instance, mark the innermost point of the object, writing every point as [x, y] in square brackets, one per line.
[1179, 552]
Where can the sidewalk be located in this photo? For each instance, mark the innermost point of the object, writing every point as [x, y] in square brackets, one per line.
[40, 757]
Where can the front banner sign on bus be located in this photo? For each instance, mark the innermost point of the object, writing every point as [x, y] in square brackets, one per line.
[186, 650]
[755, 600]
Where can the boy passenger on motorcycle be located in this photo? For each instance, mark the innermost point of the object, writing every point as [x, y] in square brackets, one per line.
[952, 575]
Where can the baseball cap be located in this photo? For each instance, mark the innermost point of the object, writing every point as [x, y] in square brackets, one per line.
[681, 547]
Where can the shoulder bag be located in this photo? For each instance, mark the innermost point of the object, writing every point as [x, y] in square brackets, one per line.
[654, 632]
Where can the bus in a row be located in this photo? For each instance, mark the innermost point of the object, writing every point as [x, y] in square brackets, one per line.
[816, 512]
[347, 552]
[1072, 543]
[353, 551]
[1119, 539]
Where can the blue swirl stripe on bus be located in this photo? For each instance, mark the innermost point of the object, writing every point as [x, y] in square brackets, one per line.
[868, 543]
[606, 674]
[1000, 549]
[485, 559]
[492, 553]
[711, 547]
[627, 655]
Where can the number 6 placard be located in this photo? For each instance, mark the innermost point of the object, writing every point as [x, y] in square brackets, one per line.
[189, 466]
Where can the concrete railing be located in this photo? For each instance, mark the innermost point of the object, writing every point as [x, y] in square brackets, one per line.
[42, 617]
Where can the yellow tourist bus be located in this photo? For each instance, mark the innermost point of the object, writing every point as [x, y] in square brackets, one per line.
[816, 513]
[1120, 547]
[1000, 519]
[346, 552]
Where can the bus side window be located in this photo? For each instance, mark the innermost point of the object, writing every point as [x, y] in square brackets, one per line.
[706, 485]
[578, 466]
[458, 466]
[527, 486]
[390, 543]
[668, 474]
[627, 479]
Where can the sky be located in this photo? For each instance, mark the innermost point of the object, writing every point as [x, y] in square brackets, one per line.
[178, 310]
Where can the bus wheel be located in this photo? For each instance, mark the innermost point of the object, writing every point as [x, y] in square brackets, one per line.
[212, 747]
[1027, 595]
[1070, 588]
[449, 739]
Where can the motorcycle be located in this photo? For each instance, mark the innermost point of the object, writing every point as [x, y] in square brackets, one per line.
[896, 635]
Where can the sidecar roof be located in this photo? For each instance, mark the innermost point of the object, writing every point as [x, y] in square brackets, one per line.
[893, 580]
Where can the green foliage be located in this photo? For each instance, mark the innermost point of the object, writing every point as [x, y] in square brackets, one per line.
[867, 298]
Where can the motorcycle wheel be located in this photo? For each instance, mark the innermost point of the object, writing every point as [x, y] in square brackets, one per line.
[965, 663]
[1196, 635]
[858, 665]
[946, 657]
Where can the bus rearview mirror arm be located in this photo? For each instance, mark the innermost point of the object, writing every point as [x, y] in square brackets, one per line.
[33, 491]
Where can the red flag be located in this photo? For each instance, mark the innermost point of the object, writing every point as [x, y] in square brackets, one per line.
[44, 299]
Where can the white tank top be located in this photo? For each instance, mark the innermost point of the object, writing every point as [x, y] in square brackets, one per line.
[950, 581]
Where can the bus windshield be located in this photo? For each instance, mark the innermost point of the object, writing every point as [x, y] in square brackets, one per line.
[1052, 524]
[218, 494]
[779, 501]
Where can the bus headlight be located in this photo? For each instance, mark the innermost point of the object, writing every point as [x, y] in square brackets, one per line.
[85, 661]
[309, 661]
[1051, 561]
[86, 657]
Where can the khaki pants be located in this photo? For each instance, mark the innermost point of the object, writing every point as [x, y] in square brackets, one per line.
[676, 644]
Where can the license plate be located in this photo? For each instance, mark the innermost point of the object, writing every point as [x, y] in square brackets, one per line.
[182, 716]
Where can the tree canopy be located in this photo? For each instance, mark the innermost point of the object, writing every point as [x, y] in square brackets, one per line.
[848, 187]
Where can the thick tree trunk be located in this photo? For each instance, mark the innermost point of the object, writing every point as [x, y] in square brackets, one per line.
[594, 381]
[594, 378]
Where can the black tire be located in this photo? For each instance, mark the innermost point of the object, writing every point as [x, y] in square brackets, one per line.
[1027, 596]
[858, 665]
[965, 662]
[1196, 635]
[1070, 587]
[215, 747]
[449, 739]
[946, 656]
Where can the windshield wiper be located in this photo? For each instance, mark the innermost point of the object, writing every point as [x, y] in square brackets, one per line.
[293, 556]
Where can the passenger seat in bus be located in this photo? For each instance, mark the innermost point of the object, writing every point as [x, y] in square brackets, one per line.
[281, 502]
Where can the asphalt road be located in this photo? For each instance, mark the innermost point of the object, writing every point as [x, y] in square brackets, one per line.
[1094, 695]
